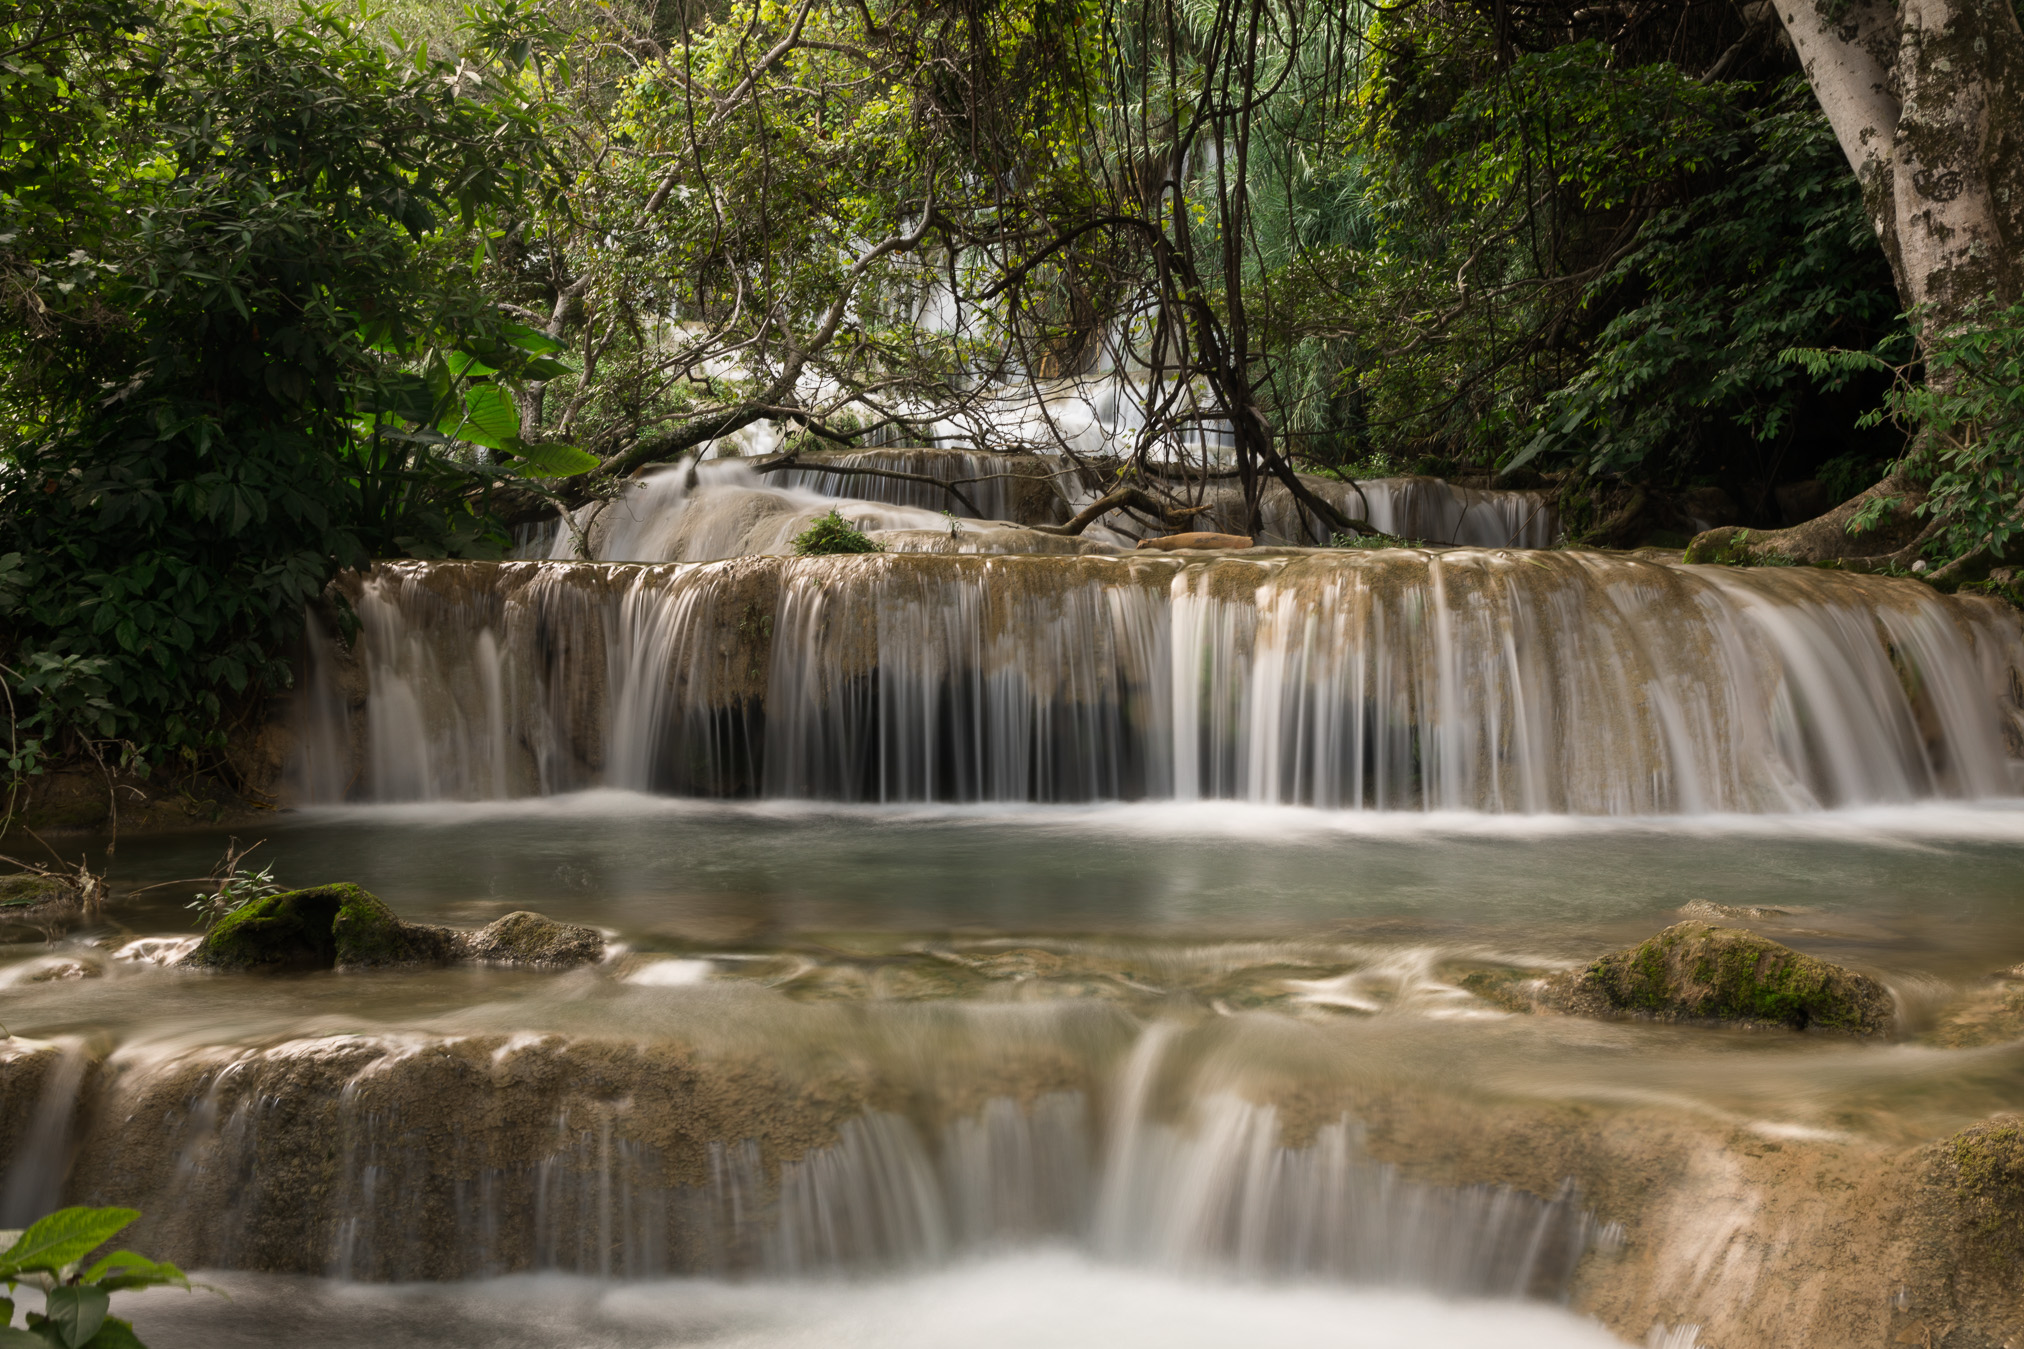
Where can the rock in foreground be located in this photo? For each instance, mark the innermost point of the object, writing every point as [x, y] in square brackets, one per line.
[1699, 972]
[525, 938]
[345, 927]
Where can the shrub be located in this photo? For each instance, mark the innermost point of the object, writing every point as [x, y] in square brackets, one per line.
[834, 534]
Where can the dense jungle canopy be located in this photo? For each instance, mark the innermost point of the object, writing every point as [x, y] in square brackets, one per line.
[288, 289]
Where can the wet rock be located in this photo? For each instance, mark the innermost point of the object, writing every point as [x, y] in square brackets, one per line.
[326, 927]
[1983, 1167]
[1991, 1015]
[525, 938]
[1706, 908]
[54, 969]
[1178, 542]
[32, 890]
[1695, 971]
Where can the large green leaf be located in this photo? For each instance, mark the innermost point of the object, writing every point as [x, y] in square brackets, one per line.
[77, 1311]
[14, 1338]
[115, 1334]
[406, 396]
[124, 1269]
[463, 363]
[490, 418]
[543, 367]
[554, 461]
[531, 341]
[63, 1238]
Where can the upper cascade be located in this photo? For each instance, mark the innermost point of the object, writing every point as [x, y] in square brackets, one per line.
[1535, 682]
[922, 500]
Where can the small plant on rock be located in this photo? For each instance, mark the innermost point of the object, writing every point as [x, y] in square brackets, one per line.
[831, 534]
[235, 888]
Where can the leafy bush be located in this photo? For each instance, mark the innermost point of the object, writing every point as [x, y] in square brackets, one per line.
[1971, 406]
[1779, 251]
[832, 534]
[75, 1301]
[1967, 419]
[247, 343]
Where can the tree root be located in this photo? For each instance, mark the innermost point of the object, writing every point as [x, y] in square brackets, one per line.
[1125, 498]
[1893, 541]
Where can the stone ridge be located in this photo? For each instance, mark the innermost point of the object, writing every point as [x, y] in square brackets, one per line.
[1695, 971]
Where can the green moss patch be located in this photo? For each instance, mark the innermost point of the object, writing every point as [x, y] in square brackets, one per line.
[1698, 972]
[28, 890]
[1985, 1166]
[325, 927]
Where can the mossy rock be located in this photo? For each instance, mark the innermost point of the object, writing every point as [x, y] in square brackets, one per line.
[1734, 548]
[325, 927]
[1699, 972]
[525, 938]
[1983, 1167]
[32, 890]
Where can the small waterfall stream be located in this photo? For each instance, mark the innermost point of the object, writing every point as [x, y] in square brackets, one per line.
[425, 1172]
[1403, 680]
[725, 509]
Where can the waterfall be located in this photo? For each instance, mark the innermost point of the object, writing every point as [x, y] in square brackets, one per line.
[1400, 680]
[986, 479]
[725, 509]
[433, 1160]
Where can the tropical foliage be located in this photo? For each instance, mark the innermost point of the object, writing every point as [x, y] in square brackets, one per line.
[283, 290]
[76, 1298]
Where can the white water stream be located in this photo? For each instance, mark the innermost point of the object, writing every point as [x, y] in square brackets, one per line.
[1055, 1299]
[1400, 680]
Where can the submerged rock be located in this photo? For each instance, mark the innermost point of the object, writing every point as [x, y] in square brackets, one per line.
[525, 938]
[345, 927]
[1990, 1015]
[1698, 972]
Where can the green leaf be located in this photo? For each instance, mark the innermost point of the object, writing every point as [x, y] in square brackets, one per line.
[63, 1238]
[115, 1334]
[463, 364]
[490, 418]
[124, 1269]
[554, 461]
[77, 1311]
[530, 340]
[11, 1338]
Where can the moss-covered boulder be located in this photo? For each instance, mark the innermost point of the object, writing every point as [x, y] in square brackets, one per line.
[1699, 972]
[525, 938]
[33, 890]
[325, 927]
[1983, 1166]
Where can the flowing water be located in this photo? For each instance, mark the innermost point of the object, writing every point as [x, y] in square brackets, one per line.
[724, 508]
[1403, 680]
[1028, 950]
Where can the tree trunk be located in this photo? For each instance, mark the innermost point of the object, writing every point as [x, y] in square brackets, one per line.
[1927, 100]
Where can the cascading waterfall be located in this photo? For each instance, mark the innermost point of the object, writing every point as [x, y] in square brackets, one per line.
[984, 478]
[425, 1173]
[725, 509]
[1457, 680]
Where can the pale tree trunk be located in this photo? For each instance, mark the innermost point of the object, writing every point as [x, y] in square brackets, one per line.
[1927, 100]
